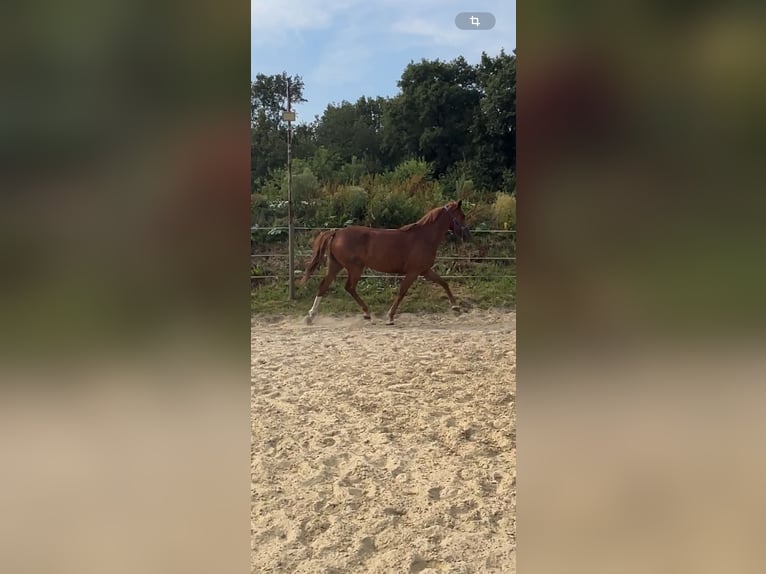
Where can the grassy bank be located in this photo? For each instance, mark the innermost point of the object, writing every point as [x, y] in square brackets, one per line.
[481, 293]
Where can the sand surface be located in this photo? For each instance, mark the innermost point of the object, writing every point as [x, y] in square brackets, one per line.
[384, 449]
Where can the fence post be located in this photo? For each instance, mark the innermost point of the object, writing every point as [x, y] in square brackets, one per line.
[290, 222]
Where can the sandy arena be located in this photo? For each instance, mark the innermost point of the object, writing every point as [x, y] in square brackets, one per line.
[384, 449]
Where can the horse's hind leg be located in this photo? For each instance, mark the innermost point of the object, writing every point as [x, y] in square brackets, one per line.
[431, 275]
[333, 267]
[403, 288]
[353, 278]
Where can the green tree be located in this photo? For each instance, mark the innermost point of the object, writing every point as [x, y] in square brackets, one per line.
[325, 163]
[268, 96]
[350, 131]
[495, 125]
[451, 122]
[268, 132]
[268, 149]
[433, 115]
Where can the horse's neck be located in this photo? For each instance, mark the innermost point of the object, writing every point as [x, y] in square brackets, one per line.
[435, 231]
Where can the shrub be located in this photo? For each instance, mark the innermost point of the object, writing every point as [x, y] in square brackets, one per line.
[437, 193]
[272, 188]
[350, 202]
[259, 209]
[479, 215]
[392, 210]
[465, 189]
[412, 168]
[352, 172]
[325, 163]
[504, 210]
[305, 185]
[509, 181]
[454, 180]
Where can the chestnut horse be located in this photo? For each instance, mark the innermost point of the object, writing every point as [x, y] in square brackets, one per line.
[408, 251]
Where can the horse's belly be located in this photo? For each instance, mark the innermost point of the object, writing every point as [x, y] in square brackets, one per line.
[401, 262]
[398, 269]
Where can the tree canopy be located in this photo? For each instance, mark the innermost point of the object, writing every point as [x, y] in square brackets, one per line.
[456, 119]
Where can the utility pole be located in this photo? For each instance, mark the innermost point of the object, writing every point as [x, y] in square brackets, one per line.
[290, 116]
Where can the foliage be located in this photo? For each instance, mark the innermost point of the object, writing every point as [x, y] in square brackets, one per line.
[259, 205]
[505, 210]
[495, 125]
[352, 171]
[432, 116]
[351, 202]
[450, 133]
[480, 216]
[451, 121]
[268, 95]
[412, 168]
[465, 188]
[393, 209]
[352, 132]
[325, 163]
[305, 185]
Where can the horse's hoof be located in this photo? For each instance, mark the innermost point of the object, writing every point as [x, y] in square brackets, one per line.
[390, 322]
[367, 318]
[309, 319]
[456, 308]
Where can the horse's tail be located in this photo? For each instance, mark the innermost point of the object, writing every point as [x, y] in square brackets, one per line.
[321, 248]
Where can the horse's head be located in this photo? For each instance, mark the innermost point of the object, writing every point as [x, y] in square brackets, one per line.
[457, 225]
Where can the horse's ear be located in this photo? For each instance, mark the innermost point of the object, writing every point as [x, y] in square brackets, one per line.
[460, 203]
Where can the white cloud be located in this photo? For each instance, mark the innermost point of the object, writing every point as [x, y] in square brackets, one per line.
[423, 22]
[357, 36]
[434, 32]
[274, 21]
[427, 29]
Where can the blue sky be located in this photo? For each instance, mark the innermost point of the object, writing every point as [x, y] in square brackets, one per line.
[345, 49]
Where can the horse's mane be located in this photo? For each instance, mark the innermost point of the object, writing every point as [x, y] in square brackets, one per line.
[429, 217]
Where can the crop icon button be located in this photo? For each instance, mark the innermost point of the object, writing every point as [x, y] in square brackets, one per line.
[475, 21]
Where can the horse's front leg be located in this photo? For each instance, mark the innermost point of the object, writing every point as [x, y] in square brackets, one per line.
[431, 275]
[403, 288]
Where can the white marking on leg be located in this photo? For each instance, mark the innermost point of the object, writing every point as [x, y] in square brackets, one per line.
[315, 306]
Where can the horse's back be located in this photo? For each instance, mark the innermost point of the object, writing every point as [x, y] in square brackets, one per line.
[384, 250]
